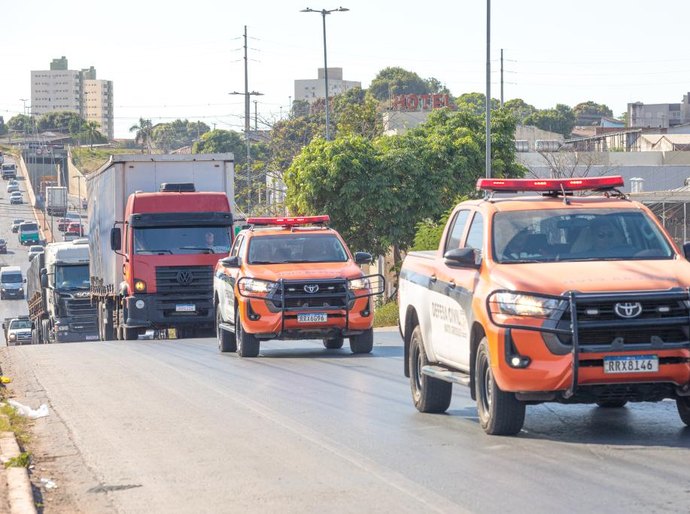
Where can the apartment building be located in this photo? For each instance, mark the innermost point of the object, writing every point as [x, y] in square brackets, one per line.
[311, 90]
[659, 115]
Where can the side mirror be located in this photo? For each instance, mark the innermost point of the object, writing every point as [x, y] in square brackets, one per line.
[115, 239]
[686, 250]
[362, 258]
[230, 262]
[44, 277]
[461, 258]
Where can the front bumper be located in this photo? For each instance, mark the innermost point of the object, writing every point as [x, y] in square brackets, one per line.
[169, 310]
[13, 293]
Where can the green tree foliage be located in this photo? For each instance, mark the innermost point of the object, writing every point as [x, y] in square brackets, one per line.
[177, 134]
[520, 109]
[561, 119]
[356, 113]
[397, 81]
[588, 112]
[143, 130]
[429, 231]
[435, 86]
[222, 141]
[21, 123]
[3, 127]
[475, 103]
[61, 121]
[92, 134]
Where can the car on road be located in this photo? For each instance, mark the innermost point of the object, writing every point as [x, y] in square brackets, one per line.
[70, 217]
[11, 282]
[16, 198]
[17, 330]
[11, 188]
[293, 278]
[35, 250]
[3, 246]
[74, 230]
[15, 225]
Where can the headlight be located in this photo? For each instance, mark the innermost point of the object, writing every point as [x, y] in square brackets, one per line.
[13, 337]
[516, 304]
[253, 285]
[139, 286]
[63, 328]
[358, 283]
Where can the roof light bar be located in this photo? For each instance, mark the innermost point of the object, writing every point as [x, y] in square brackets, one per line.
[291, 221]
[550, 184]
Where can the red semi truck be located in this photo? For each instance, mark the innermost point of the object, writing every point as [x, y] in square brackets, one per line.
[157, 226]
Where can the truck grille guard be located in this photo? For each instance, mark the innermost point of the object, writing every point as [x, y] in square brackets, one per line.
[580, 316]
[317, 295]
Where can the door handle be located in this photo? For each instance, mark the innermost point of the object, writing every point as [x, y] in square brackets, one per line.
[433, 278]
[452, 284]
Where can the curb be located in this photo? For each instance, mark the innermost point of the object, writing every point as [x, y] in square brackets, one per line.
[19, 492]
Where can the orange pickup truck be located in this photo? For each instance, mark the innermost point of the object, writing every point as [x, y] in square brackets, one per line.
[548, 298]
[293, 278]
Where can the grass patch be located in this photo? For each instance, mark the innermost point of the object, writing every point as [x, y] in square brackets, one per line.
[20, 461]
[90, 159]
[386, 315]
[10, 421]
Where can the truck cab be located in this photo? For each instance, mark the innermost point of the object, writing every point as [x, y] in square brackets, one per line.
[9, 170]
[28, 233]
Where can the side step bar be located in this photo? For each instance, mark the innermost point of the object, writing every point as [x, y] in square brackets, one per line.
[441, 373]
[227, 327]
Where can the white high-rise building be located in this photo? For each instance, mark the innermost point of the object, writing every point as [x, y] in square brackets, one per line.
[312, 90]
[61, 89]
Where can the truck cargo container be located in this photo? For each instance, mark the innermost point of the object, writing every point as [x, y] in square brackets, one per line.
[57, 290]
[149, 220]
[56, 200]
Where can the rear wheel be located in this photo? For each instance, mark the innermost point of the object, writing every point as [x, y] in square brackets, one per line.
[226, 339]
[683, 404]
[333, 343]
[500, 413]
[611, 404]
[428, 394]
[106, 321]
[362, 343]
[247, 344]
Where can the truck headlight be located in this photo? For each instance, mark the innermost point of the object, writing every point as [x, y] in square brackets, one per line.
[358, 283]
[519, 304]
[13, 337]
[253, 285]
[63, 328]
[139, 286]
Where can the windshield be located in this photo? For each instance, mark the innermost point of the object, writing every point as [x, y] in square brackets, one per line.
[19, 324]
[294, 248]
[72, 277]
[29, 227]
[181, 240]
[11, 278]
[567, 235]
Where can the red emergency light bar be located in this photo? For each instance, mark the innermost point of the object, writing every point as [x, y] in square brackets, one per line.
[291, 221]
[550, 184]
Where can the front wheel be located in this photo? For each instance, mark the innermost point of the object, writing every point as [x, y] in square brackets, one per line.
[428, 394]
[500, 413]
[248, 345]
[683, 404]
[333, 343]
[226, 339]
[362, 343]
[611, 404]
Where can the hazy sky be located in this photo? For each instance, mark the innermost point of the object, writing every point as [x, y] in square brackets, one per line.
[174, 59]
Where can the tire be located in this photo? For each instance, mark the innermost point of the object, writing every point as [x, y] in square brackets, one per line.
[333, 343]
[500, 413]
[106, 329]
[428, 394]
[129, 334]
[683, 404]
[226, 339]
[362, 343]
[247, 344]
[611, 404]
[45, 331]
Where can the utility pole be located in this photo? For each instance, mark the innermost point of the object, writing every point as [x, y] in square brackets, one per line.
[256, 117]
[488, 89]
[501, 78]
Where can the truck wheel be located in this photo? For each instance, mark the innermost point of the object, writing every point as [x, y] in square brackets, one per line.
[362, 343]
[500, 413]
[333, 343]
[105, 313]
[683, 404]
[428, 394]
[611, 404]
[45, 331]
[226, 339]
[129, 334]
[247, 344]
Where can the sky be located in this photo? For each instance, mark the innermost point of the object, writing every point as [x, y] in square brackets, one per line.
[173, 59]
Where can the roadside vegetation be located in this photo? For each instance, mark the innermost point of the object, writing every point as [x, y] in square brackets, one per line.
[90, 159]
[386, 315]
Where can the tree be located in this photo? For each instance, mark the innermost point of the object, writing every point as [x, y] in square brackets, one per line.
[435, 86]
[519, 109]
[92, 133]
[475, 103]
[394, 81]
[177, 134]
[356, 113]
[21, 123]
[144, 130]
[561, 119]
[223, 141]
[3, 127]
[590, 113]
[62, 121]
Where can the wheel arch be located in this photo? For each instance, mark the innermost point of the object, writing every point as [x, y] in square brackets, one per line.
[476, 335]
[411, 321]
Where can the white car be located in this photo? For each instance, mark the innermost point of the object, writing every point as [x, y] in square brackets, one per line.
[11, 188]
[16, 198]
[35, 250]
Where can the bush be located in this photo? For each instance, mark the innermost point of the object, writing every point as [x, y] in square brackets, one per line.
[386, 315]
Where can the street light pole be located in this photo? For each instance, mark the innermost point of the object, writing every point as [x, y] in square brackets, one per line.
[323, 13]
[488, 89]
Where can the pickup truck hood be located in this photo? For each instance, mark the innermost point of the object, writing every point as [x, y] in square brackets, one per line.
[559, 277]
[306, 271]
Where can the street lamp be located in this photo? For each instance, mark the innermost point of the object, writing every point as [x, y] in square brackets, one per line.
[323, 13]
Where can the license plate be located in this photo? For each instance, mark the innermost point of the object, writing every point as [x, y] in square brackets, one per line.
[320, 317]
[185, 308]
[631, 364]
[91, 338]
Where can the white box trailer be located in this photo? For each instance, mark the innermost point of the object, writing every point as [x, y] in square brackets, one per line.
[56, 200]
[109, 188]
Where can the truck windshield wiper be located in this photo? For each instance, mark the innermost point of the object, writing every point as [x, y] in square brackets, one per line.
[203, 249]
[153, 252]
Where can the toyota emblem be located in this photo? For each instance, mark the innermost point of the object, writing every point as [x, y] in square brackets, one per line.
[628, 309]
[184, 278]
[311, 288]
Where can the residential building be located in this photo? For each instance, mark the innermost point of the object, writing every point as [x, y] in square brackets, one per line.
[311, 90]
[659, 115]
[62, 89]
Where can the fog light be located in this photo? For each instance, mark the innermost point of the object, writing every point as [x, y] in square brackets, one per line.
[517, 361]
[139, 286]
[140, 304]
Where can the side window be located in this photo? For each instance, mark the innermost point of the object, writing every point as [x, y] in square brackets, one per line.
[242, 247]
[456, 231]
[475, 236]
[236, 247]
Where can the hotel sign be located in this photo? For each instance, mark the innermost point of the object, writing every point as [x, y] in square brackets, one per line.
[421, 102]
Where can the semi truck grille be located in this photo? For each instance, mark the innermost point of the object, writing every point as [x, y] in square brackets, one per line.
[332, 294]
[82, 313]
[184, 279]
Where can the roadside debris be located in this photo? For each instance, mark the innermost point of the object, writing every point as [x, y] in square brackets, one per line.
[28, 412]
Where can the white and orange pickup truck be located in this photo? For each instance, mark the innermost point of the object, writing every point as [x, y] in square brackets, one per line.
[560, 296]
